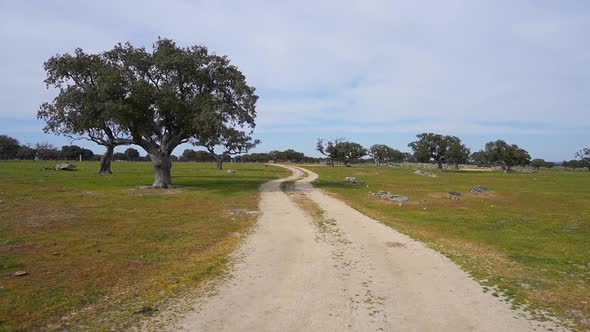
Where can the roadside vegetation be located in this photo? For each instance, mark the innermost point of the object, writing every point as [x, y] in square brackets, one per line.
[528, 238]
[99, 252]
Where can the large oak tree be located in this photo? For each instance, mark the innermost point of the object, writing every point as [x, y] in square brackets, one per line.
[165, 97]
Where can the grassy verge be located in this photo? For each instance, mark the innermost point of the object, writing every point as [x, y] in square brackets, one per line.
[97, 249]
[528, 237]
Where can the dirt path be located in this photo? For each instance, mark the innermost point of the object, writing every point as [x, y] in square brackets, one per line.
[352, 274]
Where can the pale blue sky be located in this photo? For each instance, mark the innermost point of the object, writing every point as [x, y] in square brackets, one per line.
[370, 71]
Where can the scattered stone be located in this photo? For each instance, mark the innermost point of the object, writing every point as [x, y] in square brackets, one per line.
[479, 189]
[45, 168]
[386, 195]
[454, 195]
[424, 173]
[146, 310]
[394, 244]
[352, 180]
[231, 171]
[65, 167]
[55, 253]
[571, 228]
[515, 221]
[20, 273]
[242, 211]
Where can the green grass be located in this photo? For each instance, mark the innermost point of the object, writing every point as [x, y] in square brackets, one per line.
[530, 236]
[97, 249]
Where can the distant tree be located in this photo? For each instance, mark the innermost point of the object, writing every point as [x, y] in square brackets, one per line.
[538, 163]
[348, 152]
[46, 151]
[478, 158]
[225, 143]
[26, 152]
[8, 147]
[574, 163]
[192, 155]
[254, 157]
[584, 156]
[274, 155]
[436, 147]
[73, 152]
[382, 153]
[132, 154]
[328, 149]
[291, 155]
[408, 157]
[457, 153]
[506, 155]
[120, 156]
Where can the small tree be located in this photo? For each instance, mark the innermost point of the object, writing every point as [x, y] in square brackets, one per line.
[506, 155]
[73, 152]
[584, 156]
[132, 154]
[478, 158]
[226, 143]
[9, 147]
[457, 153]
[538, 163]
[46, 151]
[291, 155]
[26, 152]
[435, 147]
[383, 153]
[348, 152]
[328, 149]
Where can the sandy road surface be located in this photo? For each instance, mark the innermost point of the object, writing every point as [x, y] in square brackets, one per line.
[354, 274]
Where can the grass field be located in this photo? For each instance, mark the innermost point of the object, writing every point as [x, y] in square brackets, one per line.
[97, 248]
[529, 238]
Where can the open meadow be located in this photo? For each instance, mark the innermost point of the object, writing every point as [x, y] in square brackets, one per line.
[99, 250]
[528, 238]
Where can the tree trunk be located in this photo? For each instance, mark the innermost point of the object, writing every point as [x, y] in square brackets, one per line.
[456, 166]
[219, 163]
[439, 165]
[162, 167]
[332, 162]
[377, 163]
[105, 161]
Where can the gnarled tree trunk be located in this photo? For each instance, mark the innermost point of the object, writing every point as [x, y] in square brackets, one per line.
[219, 160]
[106, 159]
[439, 165]
[162, 169]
